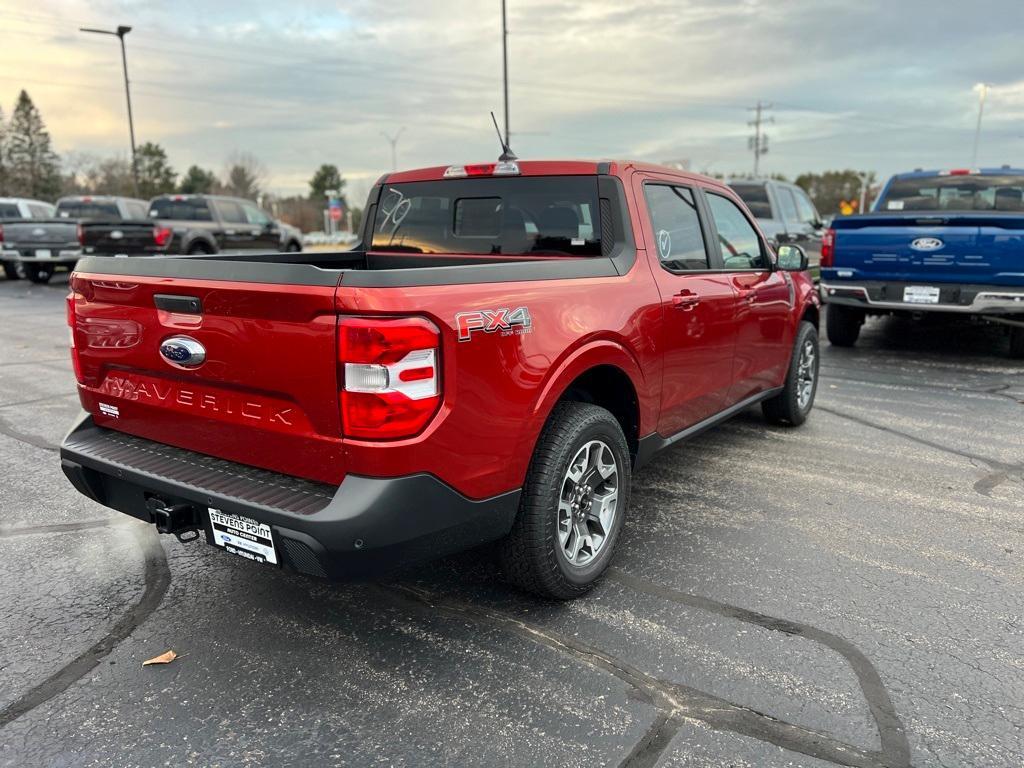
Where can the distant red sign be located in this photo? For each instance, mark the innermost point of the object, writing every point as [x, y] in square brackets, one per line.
[335, 214]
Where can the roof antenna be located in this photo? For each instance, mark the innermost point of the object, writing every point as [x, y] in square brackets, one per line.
[507, 155]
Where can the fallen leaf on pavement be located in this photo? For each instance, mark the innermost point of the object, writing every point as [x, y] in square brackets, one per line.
[163, 658]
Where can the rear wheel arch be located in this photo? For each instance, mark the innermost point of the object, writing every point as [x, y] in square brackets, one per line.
[812, 315]
[603, 373]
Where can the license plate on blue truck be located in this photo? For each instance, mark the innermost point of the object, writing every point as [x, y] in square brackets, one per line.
[243, 536]
[921, 294]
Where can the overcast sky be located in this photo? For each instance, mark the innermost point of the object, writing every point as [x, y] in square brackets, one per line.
[870, 84]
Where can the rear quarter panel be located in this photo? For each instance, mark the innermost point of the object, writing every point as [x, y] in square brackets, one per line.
[499, 388]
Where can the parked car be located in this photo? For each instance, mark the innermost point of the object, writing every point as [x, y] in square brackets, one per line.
[786, 215]
[508, 345]
[41, 247]
[935, 242]
[194, 224]
[13, 210]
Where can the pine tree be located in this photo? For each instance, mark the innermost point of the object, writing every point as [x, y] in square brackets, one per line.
[32, 166]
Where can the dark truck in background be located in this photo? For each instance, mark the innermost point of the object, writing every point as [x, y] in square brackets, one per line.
[936, 242]
[193, 224]
[18, 210]
[38, 248]
[785, 214]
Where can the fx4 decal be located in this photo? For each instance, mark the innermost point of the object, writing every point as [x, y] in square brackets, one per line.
[505, 322]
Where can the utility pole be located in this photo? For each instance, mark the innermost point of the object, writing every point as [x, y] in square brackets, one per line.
[759, 141]
[393, 141]
[504, 64]
[982, 89]
[120, 33]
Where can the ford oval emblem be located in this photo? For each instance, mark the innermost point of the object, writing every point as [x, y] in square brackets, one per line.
[183, 352]
[117, 234]
[38, 232]
[927, 244]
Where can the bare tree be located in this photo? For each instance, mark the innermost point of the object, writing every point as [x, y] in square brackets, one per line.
[245, 176]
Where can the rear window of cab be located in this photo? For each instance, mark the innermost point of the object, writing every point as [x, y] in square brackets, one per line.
[512, 216]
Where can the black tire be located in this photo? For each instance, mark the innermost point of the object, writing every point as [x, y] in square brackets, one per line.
[842, 324]
[1016, 342]
[531, 555]
[11, 270]
[293, 247]
[787, 408]
[198, 248]
[37, 273]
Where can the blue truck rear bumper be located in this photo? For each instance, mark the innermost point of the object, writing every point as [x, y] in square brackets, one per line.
[889, 296]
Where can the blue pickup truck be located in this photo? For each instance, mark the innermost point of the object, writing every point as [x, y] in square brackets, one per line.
[935, 241]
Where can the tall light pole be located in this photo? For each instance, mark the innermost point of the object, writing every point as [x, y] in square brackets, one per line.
[119, 34]
[982, 89]
[393, 141]
[504, 64]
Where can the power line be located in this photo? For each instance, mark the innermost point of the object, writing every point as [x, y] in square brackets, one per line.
[759, 141]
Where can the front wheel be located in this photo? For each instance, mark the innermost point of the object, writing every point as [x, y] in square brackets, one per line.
[792, 406]
[37, 273]
[573, 504]
[11, 270]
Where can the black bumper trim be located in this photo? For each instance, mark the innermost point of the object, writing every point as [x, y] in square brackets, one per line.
[365, 526]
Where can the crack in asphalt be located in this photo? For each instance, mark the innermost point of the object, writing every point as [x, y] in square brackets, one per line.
[9, 430]
[1000, 471]
[892, 734]
[33, 530]
[676, 703]
[996, 390]
[157, 579]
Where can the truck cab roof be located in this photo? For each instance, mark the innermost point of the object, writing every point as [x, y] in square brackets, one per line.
[1004, 170]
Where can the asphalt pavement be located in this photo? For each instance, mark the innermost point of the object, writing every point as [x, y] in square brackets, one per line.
[845, 593]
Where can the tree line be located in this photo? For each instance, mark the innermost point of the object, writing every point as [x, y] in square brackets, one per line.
[29, 167]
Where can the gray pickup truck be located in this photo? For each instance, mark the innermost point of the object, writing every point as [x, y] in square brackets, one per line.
[14, 210]
[38, 248]
[786, 215]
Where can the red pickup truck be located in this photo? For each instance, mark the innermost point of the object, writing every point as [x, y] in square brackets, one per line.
[510, 343]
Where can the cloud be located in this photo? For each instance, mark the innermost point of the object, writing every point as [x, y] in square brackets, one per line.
[879, 85]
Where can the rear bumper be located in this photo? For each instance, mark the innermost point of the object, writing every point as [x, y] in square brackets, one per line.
[962, 298]
[27, 256]
[363, 527]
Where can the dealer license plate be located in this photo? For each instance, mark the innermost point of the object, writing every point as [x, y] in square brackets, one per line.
[243, 536]
[921, 294]
[44, 254]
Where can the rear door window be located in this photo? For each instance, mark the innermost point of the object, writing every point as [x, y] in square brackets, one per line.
[540, 215]
[756, 198]
[9, 211]
[676, 226]
[741, 246]
[182, 209]
[231, 212]
[804, 206]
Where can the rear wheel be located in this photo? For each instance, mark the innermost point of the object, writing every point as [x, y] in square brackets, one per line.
[843, 324]
[793, 404]
[573, 505]
[38, 273]
[11, 270]
[293, 247]
[198, 248]
[1016, 342]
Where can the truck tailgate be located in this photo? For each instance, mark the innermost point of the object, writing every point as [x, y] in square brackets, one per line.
[267, 393]
[965, 248]
[128, 237]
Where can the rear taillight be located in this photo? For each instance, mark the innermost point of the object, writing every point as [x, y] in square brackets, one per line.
[80, 234]
[1, 234]
[162, 235]
[389, 375]
[828, 248]
[72, 318]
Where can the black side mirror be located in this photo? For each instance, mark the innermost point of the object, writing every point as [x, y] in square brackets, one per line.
[792, 258]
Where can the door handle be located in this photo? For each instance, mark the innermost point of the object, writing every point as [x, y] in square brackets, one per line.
[685, 300]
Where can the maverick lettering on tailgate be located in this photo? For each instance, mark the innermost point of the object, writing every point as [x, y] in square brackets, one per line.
[210, 402]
